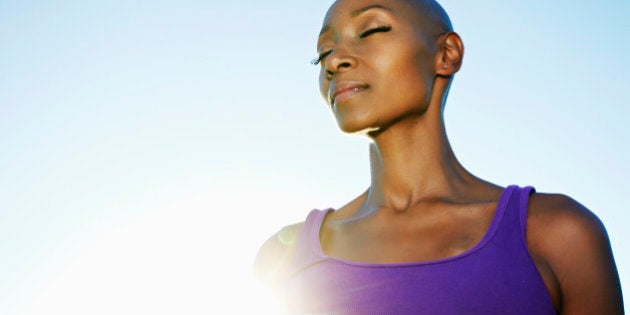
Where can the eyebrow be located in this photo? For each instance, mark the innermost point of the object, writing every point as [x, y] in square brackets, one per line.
[356, 13]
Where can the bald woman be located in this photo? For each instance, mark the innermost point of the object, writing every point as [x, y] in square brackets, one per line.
[427, 236]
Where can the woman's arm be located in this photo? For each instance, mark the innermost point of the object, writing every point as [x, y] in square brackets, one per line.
[574, 244]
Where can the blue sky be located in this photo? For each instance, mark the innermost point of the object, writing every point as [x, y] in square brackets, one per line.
[149, 147]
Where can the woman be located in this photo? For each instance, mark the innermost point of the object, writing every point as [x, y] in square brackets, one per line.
[428, 237]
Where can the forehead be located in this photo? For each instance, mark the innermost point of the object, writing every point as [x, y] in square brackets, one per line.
[351, 8]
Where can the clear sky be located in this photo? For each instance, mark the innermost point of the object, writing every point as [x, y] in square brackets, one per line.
[148, 148]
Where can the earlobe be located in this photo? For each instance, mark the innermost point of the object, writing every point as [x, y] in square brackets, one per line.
[450, 55]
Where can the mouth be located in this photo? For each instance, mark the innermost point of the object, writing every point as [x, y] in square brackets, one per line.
[345, 90]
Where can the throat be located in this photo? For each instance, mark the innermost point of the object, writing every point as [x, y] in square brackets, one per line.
[404, 176]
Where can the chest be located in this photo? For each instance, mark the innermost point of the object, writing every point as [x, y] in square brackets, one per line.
[485, 275]
[384, 238]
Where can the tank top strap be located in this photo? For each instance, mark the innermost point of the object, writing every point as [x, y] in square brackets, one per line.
[511, 216]
[524, 194]
[308, 239]
[506, 226]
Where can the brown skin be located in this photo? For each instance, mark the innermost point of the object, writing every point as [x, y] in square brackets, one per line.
[419, 192]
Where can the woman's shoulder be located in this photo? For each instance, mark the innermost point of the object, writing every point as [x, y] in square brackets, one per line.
[574, 244]
[558, 219]
[564, 213]
[276, 253]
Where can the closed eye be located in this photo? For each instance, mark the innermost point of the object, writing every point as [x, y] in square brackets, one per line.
[321, 57]
[385, 28]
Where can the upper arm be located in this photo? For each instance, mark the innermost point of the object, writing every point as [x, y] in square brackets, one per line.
[574, 243]
[276, 253]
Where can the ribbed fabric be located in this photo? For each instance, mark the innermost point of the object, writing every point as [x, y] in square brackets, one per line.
[497, 276]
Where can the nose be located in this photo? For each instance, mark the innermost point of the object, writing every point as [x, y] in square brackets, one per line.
[340, 60]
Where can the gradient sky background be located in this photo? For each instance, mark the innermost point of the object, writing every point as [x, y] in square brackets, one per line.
[148, 148]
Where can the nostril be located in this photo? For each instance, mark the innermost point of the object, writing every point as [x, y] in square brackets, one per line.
[335, 64]
[344, 64]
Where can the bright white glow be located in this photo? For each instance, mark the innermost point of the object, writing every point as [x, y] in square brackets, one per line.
[186, 256]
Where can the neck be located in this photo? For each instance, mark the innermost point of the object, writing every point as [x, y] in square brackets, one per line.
[412, 161]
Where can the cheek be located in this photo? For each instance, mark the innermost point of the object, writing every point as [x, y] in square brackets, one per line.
[418, 82]
[409, 81]
[323, 85]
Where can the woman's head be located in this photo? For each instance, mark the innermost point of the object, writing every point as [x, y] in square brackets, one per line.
[380, 58]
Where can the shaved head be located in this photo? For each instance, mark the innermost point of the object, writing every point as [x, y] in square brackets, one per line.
[428, 15]
[432, 16]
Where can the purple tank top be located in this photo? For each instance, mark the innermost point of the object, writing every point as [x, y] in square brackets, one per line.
[496, 276]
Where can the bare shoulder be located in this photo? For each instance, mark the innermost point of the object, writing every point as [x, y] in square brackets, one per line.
[276, 253]
[565, 219]
[560, 222]
[574, 244]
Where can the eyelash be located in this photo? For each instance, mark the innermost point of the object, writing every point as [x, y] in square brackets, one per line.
[323, 55]
[385, 28]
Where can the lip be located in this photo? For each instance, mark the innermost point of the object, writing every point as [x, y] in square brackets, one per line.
[345, 90]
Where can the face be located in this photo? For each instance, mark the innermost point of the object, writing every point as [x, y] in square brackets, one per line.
[377, 63]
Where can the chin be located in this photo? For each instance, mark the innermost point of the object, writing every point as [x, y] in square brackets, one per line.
[356, 127]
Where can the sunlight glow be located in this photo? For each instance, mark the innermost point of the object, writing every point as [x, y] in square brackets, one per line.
[175, 258]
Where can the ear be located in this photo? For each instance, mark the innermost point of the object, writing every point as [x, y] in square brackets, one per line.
[450, 54]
